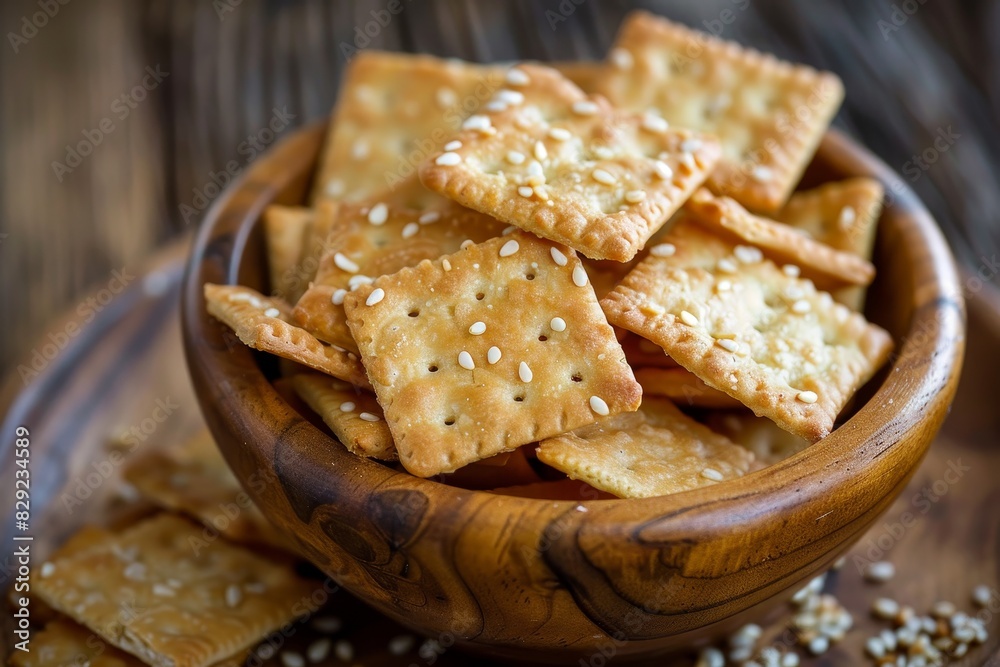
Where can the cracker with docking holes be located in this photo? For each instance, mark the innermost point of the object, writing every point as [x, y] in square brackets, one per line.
[194, 479]
[286, 235]
[653, 452]
[750, 329]
[682, 387]
[843, 215]
[354, 416]
[159, 592]
[768, 114]
[263, 324]
[393, 111]
[488, 349]
[375, 239]
[544, 156]
[824, 265]
[63, 643]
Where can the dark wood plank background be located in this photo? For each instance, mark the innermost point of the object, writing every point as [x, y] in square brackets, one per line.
[915, 70]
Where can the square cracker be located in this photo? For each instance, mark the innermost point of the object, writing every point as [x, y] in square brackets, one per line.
[393, 110]
[286, 235]
[773, 341]
[63, 643]
[355, 417]
[824, 265]
[843, 215]
[652, 452]
[445, 403]
[603, 184]
[195, 479]
[404, 238]
[159, 592]
[246, 312]
[769, 114]
[683, 387]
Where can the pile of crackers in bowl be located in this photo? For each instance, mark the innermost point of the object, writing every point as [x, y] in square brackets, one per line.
[601, 273]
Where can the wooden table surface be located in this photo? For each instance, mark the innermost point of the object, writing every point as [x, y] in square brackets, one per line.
[922, 82]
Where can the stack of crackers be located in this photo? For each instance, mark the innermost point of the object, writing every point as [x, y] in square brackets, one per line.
[600, 272]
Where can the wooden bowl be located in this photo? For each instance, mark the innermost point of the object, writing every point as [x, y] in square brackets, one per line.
[547, 581]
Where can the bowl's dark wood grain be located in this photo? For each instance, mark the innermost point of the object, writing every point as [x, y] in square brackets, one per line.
[542, 580]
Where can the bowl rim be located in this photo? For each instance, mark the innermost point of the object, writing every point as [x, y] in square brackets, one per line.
[922, 377]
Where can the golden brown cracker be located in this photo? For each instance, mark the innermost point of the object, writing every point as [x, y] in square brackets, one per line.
[354, 416]
[263, 324]
[546, 157]
[286, 235]
[652, 452]
[768, 114]
[682, 387]
[747, 328]
[393, 110]
[159, 592]
[488, 349]
[824, 265]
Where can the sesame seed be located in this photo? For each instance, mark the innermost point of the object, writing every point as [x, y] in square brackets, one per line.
[467, 243]
[621, 58]
[360, 149]
[525, 191]
[524, 372]
[318, 650]
[345, 264]
[653, 123]
[516, 77]
[234, 595]
[272, 312]
[663, 170]
[635, 196]
[429, 217]
[354, 282]
[540, 152]
[453, 145]
[292, 659]
[560, 134]
[375, 297]
[662, 250]
[712, 474]
[819, 645]
[652, 309]
[335, 187]
[579, 276]
[762, 174]
[477, 328]
[495, 105]
[847, 217]
[687, 161]
[535, 171]
[711, 657]
[135, 571]
[807, 396]
[689, 319]
[401, 644]
[875, 647]
[603, 176]
[493, 354]
[515, 157]
[603, 152]
[558, 257]
[748, 254]
[410, 230]
[509, 248]
[446, 265]
[557, 324]
[791, 270]
[163, 591]
[477, 122]
[448, 159]
[337, 298]
[723, 285]
[943, 609]
[801, 307]
[728, 345]
[347, 406]
[691, 145]
[465, 361]
[327, 624]
[369, 417]
[726, 265]
[47, 570]
[598, 405]
[344, 650]
[981, 594]
[445, 97]
[584, 108]
[509, 229]
[881, 571]
[510, 97]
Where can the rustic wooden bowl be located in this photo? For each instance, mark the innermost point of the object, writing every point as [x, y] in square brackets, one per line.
[540, 580]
